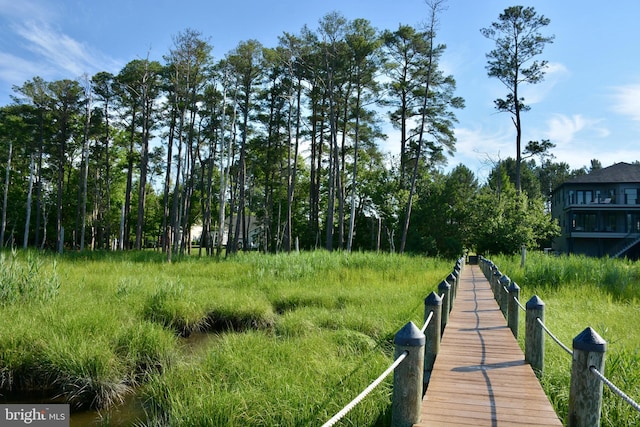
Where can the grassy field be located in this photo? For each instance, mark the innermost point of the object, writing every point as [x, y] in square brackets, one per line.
[579, 292]
[257, 340]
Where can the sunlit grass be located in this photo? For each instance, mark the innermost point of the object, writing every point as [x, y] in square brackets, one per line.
[293, 337]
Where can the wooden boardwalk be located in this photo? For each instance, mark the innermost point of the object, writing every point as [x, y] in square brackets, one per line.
[480, 377]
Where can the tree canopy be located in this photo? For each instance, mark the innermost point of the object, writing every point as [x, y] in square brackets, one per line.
[269, 148]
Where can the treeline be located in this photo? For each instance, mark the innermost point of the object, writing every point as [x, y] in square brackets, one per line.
[268, 146]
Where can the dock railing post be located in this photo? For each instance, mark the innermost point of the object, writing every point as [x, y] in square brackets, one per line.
[444, 289]
[513, 310]
[534, 335]
[502, 296]
[457, 271]
[407, 377]
[495, 281]
[432, 304]
[452, 279]
[585, 395]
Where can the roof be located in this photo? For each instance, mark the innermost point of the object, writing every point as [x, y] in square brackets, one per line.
[615, 174]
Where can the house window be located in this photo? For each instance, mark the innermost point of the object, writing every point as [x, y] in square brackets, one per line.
[630, 196]
[584, 197]
[585, 222]
[572, 197]
[609, 222]
[633, 223]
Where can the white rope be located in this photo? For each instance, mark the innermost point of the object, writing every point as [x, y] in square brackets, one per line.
[567, 349]
[613, 388]
[522, 307]
[426, 322]
[366, 391]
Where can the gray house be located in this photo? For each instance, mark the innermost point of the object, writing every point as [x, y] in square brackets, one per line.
[599, 213]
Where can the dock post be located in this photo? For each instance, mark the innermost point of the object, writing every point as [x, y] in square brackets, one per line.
[513, 310]
[585, 395]
[432, 304]
[502, 296]
[534, 335]
[452, 279]
[495, 281]
[444, 289]
[407, 377]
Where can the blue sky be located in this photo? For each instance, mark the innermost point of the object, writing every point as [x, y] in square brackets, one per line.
[588, 105]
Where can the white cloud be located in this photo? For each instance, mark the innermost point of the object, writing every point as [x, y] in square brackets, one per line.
[60, 51]
[479, 150]
[34, 45]
[16, 70]
[563, 129]
[627, 101]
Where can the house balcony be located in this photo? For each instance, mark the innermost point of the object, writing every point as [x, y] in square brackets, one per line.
[594, 206]
[582, 234]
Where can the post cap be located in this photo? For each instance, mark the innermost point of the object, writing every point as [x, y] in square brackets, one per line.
[409, 336]
[444, 285]
[589, 340]
[535, 303]
[433, 299]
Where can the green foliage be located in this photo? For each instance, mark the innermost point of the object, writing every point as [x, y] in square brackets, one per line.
[518, 40]
[441, 223]
[505, 221]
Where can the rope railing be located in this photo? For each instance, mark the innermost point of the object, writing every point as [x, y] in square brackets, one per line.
[426, 322]
[522, 307]
[344, 411]
[553, 337]
[613, 388]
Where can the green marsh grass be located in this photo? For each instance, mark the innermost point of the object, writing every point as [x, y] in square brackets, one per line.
[579, 292]
[255, 339]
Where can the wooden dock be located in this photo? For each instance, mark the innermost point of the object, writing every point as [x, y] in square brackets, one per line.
[480, 377]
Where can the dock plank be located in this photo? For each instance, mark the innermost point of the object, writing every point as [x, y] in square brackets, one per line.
[480, 377]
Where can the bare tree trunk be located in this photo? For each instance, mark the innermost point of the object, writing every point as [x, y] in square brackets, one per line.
[293, 170]
[85, 166]
[25, 240]
[166, 224]
[129, 188]
[405, 230]
[5, 195]
[107, 180]
[333, 172]
[354, 179]
[225, 150]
